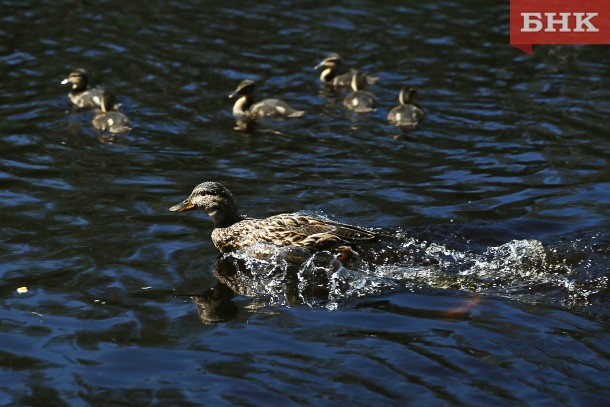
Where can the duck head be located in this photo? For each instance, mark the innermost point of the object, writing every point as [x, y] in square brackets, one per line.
[215, 200]
[78, 80]
[245, 88]
[408, 95]
[243, 94]
[332, 61]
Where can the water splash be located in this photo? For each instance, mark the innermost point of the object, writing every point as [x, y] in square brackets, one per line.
[523, 270]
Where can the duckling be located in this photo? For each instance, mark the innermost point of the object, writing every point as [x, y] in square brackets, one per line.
[329, 75]
[360, 100]
[107, 118]
[272, 108]
[408, 114]
[235, 232]
[80, 94]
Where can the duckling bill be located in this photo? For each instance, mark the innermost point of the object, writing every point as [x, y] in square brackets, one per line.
[246, 108]
[235, 232]
[408, 113]
[81, 95]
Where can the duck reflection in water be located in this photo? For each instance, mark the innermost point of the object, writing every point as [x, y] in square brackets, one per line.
[215, 304]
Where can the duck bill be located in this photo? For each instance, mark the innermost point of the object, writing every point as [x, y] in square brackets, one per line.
[65, 81]
[233, 94]
[320, 65]
[183, 206]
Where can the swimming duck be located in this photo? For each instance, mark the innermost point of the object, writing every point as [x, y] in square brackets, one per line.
[80, 93]
[107, 118]
[360, 100]
[408, 114]
[329, 75]
[272, 108]
[233, 231]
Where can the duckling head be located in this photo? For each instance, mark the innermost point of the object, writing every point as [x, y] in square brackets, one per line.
[245, 88]
[408, 95]
[215, 200]
[332, 61]
[243, 93]
[78, 80]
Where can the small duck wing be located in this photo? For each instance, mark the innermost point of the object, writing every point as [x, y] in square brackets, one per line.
[113, 122]
[360, 101]
[344, 79]
[310, 232]
[87, 98]
[274, 108]
[405, 116]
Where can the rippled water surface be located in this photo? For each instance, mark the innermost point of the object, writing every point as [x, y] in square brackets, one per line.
[490, 284]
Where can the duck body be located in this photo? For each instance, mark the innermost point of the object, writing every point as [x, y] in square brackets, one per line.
[81, 95]
[86, 99]
[108, 119]
[275, 109]
[408, 114]
[360, 100]
[307, 232]
[112, 122]
[246, 108]
[233, 232]
[330, 75]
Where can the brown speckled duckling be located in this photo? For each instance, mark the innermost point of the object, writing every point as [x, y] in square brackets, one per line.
[360, 100]
[408, 114]
[273, 108]
[330, 76]
[233, 231]
[108, 119]
[81, 95]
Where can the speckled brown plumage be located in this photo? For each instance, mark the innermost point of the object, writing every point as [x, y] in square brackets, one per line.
[234, 232]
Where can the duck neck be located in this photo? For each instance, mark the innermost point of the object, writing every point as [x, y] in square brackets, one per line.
[327, 75]
[404, 98]
[242, 105]
[356, 84]
[79, 86]
[407, 98]
[225, 216]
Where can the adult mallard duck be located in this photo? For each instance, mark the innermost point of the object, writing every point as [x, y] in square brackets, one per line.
[234, 232]
[246, 108]
[408, 113]
[330, 76]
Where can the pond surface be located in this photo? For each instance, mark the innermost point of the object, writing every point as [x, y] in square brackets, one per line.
[491, 285]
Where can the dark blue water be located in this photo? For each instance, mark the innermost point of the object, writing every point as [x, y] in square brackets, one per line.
[491, 285]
